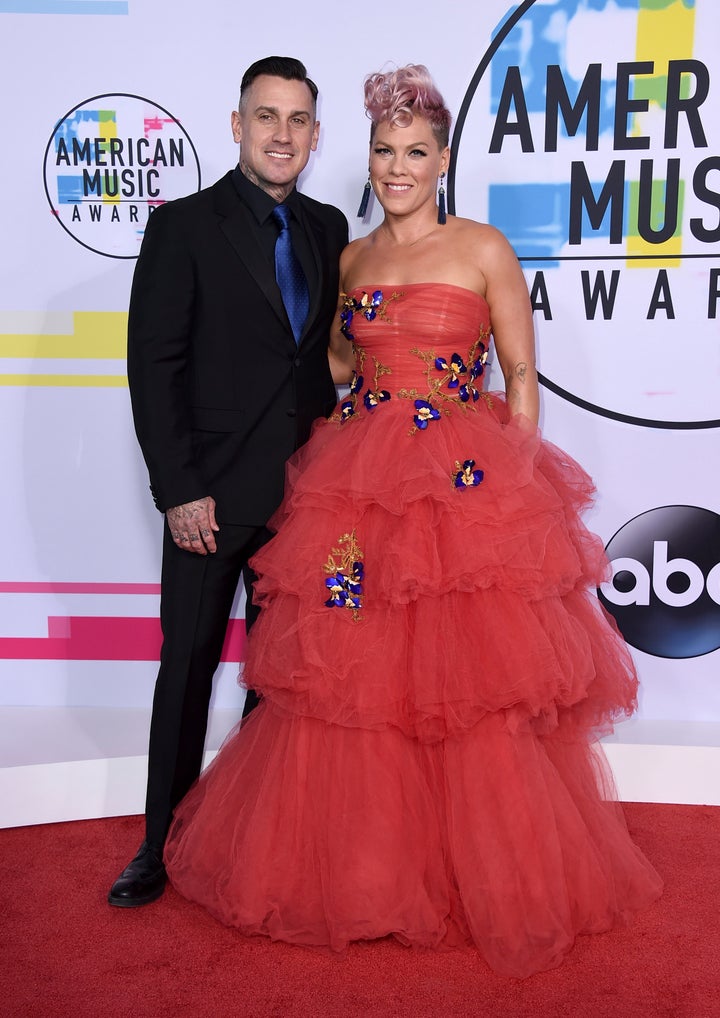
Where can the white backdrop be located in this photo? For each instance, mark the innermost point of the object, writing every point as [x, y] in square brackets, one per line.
[80, 538]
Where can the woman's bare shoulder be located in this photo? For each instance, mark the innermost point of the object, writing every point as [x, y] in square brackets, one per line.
[354, 251]
[478, 233]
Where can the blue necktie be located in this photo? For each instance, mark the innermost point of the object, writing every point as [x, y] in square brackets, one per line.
[289, 274]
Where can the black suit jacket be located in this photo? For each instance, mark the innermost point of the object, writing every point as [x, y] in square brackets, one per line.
[221, 393]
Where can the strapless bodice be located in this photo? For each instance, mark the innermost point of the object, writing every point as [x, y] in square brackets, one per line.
[425, 341]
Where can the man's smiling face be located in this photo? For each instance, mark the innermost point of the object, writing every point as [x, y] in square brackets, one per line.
[277, 131]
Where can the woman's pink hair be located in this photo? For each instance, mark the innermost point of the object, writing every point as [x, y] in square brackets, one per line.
[408, 92]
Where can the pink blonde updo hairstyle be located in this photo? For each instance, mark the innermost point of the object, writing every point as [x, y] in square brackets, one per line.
[398, 96]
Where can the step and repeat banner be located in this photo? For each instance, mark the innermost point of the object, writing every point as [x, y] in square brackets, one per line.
[587, 130]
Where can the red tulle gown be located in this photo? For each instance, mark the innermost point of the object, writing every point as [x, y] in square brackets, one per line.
[435, 671]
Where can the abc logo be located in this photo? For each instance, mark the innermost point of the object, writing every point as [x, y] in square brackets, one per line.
[665, 587]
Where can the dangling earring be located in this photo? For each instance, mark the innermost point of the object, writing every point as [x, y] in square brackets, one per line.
[442, 216]
[364, 200]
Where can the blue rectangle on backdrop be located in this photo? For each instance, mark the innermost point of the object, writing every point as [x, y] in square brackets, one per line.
[120, 7]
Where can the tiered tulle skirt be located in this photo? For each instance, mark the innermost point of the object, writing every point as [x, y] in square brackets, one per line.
[424, 764]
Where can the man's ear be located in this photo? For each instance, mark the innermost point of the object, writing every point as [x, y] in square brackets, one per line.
[236, 125]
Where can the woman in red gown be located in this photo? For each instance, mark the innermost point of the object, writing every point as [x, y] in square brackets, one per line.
[434, 668]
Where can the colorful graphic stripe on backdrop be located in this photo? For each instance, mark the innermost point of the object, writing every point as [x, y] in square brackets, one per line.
[97, 7]
[98, 637]
[663, 30]
[86, 341]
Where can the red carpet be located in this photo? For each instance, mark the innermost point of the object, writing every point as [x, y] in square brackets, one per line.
[65, 952]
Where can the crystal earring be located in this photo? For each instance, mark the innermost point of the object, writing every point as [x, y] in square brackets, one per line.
[442, 215]
[365, 199]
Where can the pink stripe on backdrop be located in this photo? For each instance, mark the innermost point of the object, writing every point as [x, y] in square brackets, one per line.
[82, 638]
[10, 587]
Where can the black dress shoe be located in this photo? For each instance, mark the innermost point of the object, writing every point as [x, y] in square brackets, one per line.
[142, 881]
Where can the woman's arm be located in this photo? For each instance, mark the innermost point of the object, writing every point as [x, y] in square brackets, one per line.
[512, 326]
[341, 352]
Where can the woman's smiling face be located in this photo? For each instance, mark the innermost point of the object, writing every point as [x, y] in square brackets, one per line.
[405, 163]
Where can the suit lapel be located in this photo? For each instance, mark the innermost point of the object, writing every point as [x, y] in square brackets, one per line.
[239, 226]
[314, 233]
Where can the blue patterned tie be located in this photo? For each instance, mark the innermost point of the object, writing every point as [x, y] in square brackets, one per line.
[289, 274]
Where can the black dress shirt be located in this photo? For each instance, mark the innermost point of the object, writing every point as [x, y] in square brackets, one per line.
[261, 204]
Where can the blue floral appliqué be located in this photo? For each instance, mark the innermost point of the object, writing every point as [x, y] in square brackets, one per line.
[347, 409]
[373, 395]
[478, 365]
[453, 370]
[466, 476]
[467, 393]
[347, 573]
[425, 412]
[450, 381]
[367, 305]
[371, 306]
[371, 399]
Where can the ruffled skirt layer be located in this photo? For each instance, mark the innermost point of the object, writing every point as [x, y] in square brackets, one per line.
[424, 764]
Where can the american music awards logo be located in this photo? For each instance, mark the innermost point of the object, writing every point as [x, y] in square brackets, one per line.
[590, 135]
[109, 162]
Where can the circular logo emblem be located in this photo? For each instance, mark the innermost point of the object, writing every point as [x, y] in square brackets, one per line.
[109, 162]
[589, 136]
[665, 587]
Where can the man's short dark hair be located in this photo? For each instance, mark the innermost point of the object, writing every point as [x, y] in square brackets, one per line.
[278, 67]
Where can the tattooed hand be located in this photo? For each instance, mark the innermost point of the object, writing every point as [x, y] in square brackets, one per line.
[192, 525]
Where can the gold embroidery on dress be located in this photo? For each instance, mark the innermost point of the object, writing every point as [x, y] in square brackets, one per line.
[346, 409]
[446, 384]
[370, 306]
[346, 575]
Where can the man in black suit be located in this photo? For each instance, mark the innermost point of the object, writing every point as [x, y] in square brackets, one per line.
[225, 383]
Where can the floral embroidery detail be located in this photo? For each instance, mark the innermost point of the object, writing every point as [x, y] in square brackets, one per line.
[347, 573]
[477, 368]
[371, 399]
[461, 393]
[466, 476]
[468, 392]
[478, 365]
[373, 396]
[426, 412]
[347, 409]
[369, 306]
[450, 381]
[453, 370]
